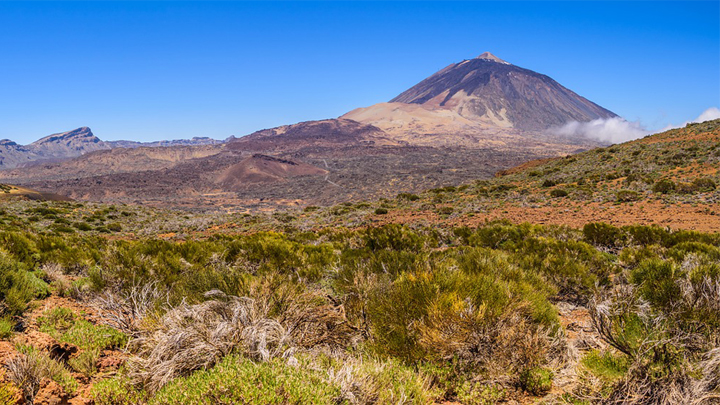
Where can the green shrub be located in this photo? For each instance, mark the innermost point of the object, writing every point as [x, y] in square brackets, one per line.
[445, 210]
[685, 188]
[63, 325]
[394, 237]
[602, 234]
[549, 183]
[495, 235]
[7, 326]
[536, 380]
[646, 235]
[83, 226]
[114, 227]
[240, 380]
[607, 366]
[408, 197]
[657, 282]
[116, 391]
[663, 186]
[381, 211]
[18, 286]
[480, 394]
[411, 317]
[62, 229]
[628, 195]
[704, 184]
[574, 267]
[85, 362]
[558, 192]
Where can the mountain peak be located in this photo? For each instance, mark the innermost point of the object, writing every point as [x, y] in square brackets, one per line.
[79, 133]
[489, 90]
[491, 57]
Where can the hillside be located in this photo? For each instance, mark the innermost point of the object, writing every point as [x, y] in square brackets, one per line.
[12, 193]
[667, 179]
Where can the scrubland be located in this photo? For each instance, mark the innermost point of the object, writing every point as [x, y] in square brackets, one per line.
[424, 298]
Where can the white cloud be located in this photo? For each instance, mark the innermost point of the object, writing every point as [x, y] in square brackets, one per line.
[611, 130]
[711, 113]
[617, 129]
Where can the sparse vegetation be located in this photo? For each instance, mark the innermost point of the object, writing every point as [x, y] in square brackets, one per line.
[340, 305]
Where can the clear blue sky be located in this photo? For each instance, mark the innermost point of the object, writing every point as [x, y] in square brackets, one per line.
[166, 70]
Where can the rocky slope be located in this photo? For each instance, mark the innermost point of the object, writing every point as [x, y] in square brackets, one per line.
[329, 133]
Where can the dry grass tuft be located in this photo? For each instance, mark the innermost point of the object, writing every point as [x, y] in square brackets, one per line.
[125, 311]
[192, 337]
[707, 389]
[27, 371]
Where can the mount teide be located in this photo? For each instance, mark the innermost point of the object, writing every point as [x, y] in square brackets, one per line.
[486, 99]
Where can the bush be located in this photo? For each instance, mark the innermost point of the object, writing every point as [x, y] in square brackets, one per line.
[116, 391]
[83, 226]
[85, 362]
[7, 326]
[381, 211]
[114, 227]
[536, 380]
[704, 184]
[240, 380]
[18, 286]
[445, 210]
[63, 325]
[663, 186]
[606, 366]
[549, 183]
[426, 315]
[628, 195]
[602, 234]
[558, 192]
[408, 197]
[480, 394]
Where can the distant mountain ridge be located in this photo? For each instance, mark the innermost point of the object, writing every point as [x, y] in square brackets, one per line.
[71, 144]
[197, 140]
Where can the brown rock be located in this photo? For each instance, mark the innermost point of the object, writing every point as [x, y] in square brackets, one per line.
[110, 360]
[51, 394]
